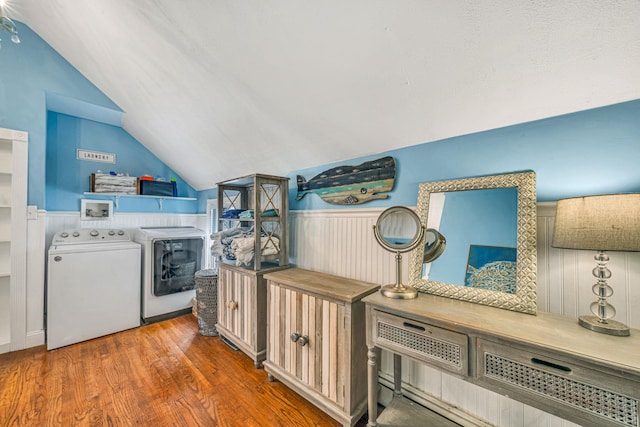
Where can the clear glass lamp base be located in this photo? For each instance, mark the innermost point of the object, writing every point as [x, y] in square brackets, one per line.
[610, 327]
[399, 292]
[602, 321]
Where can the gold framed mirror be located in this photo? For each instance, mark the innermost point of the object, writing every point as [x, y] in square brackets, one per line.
[489, 224]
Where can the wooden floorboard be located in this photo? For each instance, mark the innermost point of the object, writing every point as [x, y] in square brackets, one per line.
[163, 374]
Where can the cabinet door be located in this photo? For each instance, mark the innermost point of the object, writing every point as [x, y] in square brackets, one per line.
[316, 359]
[235, 292]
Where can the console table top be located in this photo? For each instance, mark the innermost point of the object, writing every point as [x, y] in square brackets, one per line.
[547, 330]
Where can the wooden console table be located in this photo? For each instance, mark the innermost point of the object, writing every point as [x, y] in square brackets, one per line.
[546, 361]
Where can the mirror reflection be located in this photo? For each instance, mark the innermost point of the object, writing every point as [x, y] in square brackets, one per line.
[480, 227]
[398, 228]
[489, 224]
[434, 245]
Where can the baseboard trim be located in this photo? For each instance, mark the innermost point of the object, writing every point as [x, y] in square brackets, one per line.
[35, 338]
[430, 402]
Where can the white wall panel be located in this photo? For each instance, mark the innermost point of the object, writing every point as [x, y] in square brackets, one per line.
[36, 256]
[341, 242]
[57, 221]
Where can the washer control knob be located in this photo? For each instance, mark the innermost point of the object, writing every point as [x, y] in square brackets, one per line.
[120, 232]
[64, 234]
[112, 233]
[93, 233]
[76, 234]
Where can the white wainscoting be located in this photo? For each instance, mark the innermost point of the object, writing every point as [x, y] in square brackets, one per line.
[341, 242]
[57, 221]
[35, 280]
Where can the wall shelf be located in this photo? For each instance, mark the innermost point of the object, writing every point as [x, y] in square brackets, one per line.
[117, 196]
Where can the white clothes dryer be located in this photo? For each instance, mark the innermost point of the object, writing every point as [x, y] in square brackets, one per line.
[93, 285]
[170, 258]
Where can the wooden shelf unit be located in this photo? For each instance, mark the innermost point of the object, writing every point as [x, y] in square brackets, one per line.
[259, 193]
[242, 290]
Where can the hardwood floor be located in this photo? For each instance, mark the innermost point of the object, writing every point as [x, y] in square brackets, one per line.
[164, 374]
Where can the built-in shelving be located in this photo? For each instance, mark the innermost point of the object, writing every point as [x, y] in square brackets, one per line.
[5, 245]
[13, 206]
[5, 313]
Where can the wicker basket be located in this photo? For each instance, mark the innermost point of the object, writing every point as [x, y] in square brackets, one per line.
[207, 301]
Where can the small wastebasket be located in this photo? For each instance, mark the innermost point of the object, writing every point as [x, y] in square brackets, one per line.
[207, 301]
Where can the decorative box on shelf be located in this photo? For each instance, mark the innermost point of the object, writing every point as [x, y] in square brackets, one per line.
[157, 188]
[114, 184]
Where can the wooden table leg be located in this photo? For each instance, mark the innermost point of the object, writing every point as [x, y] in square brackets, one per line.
[372, 383]
[397, 375]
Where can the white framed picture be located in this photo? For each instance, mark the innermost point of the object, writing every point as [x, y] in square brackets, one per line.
[92, 210]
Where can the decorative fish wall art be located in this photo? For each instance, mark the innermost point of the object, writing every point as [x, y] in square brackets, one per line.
[350, 185]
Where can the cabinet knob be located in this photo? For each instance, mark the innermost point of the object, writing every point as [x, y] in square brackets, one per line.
[303, 340]
[295, 336]
[232, 305]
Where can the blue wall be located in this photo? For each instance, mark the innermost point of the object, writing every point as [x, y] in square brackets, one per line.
[585, 153]
[67, 178]
[36, 84]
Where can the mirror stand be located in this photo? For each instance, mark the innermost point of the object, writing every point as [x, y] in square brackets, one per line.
[399, 291]
[399, 230]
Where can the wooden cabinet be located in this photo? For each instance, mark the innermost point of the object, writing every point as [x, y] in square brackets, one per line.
[13, 237]
[316, 342]
[242, 309]
[265, 202]
[546, 361]
[242, 291]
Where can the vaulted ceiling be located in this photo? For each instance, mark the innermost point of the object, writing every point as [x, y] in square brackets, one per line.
[223, 88]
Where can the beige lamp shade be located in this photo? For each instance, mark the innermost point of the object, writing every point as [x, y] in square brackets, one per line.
[599, 223]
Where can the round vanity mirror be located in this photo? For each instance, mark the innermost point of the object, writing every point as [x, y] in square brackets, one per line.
[398, 230]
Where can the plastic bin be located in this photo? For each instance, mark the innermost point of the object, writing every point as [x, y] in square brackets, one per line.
[207, 301]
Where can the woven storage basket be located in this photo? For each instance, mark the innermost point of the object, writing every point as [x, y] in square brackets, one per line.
[207, 301]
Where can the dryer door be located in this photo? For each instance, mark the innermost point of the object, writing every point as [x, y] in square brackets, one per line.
[175, 263]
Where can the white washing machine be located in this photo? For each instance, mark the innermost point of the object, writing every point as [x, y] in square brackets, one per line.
[170, 258]
[93, 285]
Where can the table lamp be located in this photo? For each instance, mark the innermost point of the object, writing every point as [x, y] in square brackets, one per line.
[599, 223]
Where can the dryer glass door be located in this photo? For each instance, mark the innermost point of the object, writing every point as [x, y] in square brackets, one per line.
[175, 262]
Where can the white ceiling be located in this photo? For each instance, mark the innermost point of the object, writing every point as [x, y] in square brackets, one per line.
[224, 88]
